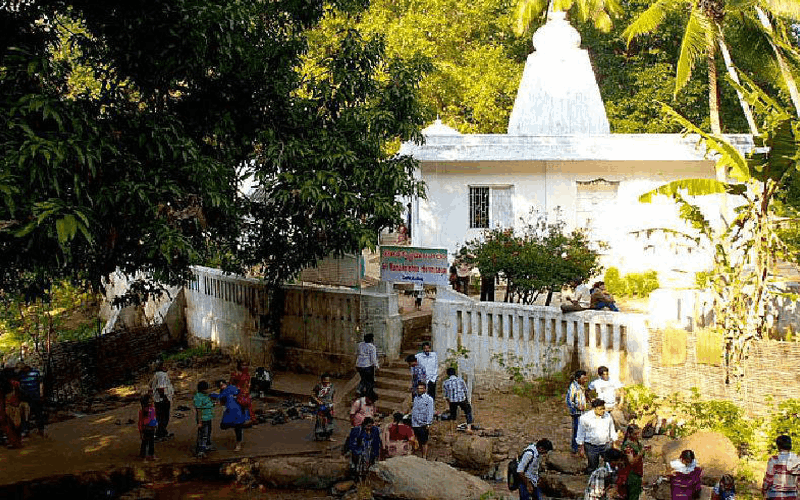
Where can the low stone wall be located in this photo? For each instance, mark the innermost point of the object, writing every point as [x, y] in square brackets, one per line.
[543, 337]
[77, 367]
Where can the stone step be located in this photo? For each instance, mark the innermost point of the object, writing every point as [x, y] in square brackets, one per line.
[397, 372]
[391, 395]
[394, 383]
[389, 407]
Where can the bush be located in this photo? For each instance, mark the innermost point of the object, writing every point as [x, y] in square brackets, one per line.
[639, 399]
[719, 416]
[632, 284]
[785, 420]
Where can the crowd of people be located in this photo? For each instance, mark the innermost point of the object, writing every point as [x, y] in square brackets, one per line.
[615, 454]
[233, 394]
[405, 433]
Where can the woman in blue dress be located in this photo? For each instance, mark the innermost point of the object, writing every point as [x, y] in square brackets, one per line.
[235, 416]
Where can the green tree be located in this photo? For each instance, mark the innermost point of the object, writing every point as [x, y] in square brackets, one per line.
[476, 58]
[139, 166]
[541, 258]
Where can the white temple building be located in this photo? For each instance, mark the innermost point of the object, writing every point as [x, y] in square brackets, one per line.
[559, 156]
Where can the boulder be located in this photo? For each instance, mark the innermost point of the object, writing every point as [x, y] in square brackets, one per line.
[302, 472]
[566, 462]
[556, 485]
[413, 478]
[472, 451]
[656, 444]
[715, 453]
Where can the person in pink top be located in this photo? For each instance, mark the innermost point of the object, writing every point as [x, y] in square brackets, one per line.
[362, 408]
[685, 477]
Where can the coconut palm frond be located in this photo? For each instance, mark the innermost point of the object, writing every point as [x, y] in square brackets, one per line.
[788, 9]
[694, 47]
[728, 159]
[527, 12]
[692, 187]
[603, 22]
[648, 20]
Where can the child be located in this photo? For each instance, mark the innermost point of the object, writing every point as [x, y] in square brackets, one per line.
[685, 477]
[235, 416]
[725, 489]
[204, 409]
[147, 428]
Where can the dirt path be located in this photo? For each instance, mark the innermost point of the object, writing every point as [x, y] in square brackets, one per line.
[105, 441]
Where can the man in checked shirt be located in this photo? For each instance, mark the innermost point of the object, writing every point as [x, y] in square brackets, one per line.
[783, 470]
[455, 392]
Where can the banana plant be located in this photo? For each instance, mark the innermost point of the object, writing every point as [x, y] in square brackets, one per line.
[747, 247]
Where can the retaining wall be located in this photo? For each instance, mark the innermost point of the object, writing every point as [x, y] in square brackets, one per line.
[318, 327]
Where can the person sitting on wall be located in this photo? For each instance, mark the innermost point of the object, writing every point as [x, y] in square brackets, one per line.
[581, 298]
[601, 299]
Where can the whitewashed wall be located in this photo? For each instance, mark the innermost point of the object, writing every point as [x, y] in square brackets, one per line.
[552, 186]
[540, 336]
[320, 326]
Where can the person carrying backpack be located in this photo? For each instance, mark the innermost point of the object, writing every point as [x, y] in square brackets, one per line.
[528, 469]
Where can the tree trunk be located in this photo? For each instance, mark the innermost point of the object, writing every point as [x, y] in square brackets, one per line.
[726, 56]
[713, 90]
[549, 297]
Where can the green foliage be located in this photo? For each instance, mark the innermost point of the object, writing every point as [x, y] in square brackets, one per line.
[542, 258]
[128, 132]
[702, 279]
[721, 416]
[784, 420]
[536, 388]
[454, 355]
[639, 399]
[632, 284]
[477, 59]
[63, 312]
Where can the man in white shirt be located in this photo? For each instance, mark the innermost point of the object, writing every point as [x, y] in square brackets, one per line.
[163, 393]
[528, 469]
[609, 391]
[596, 434]
[428, 360]
[581, 298]
[367, 364]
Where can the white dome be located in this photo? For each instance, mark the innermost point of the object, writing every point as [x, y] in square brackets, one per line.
[439, 128]
[557, 34]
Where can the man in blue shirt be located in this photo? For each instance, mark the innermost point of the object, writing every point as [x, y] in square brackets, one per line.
[422, 417]
[30, 383]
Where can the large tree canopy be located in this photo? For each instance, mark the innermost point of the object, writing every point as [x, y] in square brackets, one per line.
[127, 126]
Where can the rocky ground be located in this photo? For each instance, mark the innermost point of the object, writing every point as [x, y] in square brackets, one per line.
[507, 424]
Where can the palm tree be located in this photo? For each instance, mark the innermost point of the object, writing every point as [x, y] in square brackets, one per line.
[598, 11]
[704, 36]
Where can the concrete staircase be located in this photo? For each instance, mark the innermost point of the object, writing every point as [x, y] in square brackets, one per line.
[393, 380]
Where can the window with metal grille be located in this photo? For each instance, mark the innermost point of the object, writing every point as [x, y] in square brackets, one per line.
[479, 207]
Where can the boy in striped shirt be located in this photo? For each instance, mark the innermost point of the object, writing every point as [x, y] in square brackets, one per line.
[783, 469]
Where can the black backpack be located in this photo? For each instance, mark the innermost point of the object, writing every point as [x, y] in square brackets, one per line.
[512, 477]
